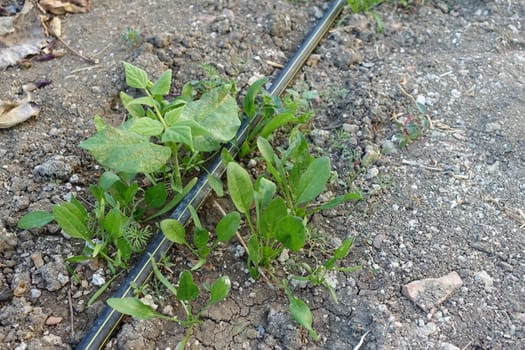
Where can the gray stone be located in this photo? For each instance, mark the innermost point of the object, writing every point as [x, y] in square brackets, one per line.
[57, 167]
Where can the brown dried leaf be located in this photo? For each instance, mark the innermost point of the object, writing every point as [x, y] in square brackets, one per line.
[12, 113]
[59, 7]
[25, 38]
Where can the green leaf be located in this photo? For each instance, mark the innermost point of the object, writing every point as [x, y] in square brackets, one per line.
[276, 122]
[217, 113]
[240, 187]
[219, 289]
[343, 249]
[162, 86]
[178, 133]
[302, 315]
[313, 180]
[77, 259]
[253, 251]
[187, 289]
[107, 180]
[275, 210]
[174, 231]
[146, 126]
[72, 220]
[156, 195]
[136, 111]
[216, 185]
[123, 248]
[37, 218]
[355, 196]
[195, 217]
[99, 122]
[112, 223]
[200, 238]
[228, 226]
[265, 191]
[249, 98]
[126, 151]
[135, 77]
[134, 307]
[290, 232]
[161, 277]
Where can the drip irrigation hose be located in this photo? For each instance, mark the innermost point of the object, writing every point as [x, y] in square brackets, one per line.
[109, 319]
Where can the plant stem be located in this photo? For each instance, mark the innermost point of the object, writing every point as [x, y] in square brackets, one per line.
[157, 112]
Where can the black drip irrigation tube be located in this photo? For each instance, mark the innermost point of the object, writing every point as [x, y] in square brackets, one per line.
[109, 318]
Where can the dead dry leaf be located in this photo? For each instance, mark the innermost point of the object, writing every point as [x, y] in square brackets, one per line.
[60, 7]
[12, 113]
[26, 37]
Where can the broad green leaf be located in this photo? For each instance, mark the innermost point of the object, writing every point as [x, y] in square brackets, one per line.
[78, 259]
[217, 112]
[123, 248]
[200, 238]
[275, 211]
[343, 249]
[156, 195]
[174, 231]
[72, 220]
[216, 185]
[113, 222]
[178, 133]
[136, 111]
[162, 86]
[313, 180]
[146, 126]
[302, 315]
[276, 122]
[187, 289]
[228, 226]
[254, 253]
[107, 180]
[126, 151]
[219, 289]
[135, 77]
[251, 94]
[265, 190]
[270, 158]
[134, 307]
[240, 187]
[37, 218]
[290, 232]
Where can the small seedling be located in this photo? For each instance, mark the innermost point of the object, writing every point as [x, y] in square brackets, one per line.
[412, 126]
[186, 293]
[132, 37]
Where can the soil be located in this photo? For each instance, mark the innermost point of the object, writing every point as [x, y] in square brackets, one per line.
[453, 200]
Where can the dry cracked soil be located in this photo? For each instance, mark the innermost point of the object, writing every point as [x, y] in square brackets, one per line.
[452, 201]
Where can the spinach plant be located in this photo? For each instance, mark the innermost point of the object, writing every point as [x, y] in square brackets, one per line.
[185, 293]
[225, 230]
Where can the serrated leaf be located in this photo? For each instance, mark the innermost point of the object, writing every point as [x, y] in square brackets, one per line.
[240, 187]
[37, 218]
[187, 290]
[302, 315]
[220, 289]
[162, 86]
[156, 195]
[135, 76]
[126, 151]
[313, 181]
[174, 231]
[133, 307]
[228, 226]
[290, 232]
[72, 220]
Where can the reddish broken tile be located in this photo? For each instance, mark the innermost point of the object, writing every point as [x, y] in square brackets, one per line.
[430, 292]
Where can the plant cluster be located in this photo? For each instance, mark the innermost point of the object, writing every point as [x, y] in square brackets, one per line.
[412, 126]
[147, 162]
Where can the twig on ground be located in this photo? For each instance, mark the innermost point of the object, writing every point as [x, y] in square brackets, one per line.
[361, 341]
[75, 52]
[71, 315]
